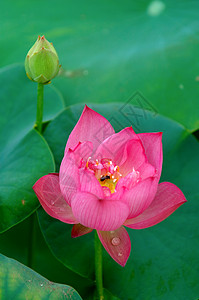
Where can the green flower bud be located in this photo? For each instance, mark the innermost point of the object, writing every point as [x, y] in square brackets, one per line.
[42, 62]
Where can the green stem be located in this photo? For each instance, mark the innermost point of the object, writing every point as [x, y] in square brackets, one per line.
[38, 126]
[40, 100]
[98, 266]
[31, 241]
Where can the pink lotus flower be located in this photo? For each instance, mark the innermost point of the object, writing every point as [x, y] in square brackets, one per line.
[109, 180]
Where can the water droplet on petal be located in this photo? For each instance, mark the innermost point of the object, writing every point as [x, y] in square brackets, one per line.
[115, 241]
[52, 202]
[120, 254]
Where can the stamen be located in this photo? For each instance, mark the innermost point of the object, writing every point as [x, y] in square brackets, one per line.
[105, 171]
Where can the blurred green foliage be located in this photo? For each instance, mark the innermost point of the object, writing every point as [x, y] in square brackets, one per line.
[111, 49]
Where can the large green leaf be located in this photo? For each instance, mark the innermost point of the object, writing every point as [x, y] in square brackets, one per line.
[20, 283]
[22, 148]
[163, 258]
[117, 48]
[25, 243]
[20, 168]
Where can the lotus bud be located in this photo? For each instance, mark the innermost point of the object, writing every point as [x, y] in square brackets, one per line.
[42, 62]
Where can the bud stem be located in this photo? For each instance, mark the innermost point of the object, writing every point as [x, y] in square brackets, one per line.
[98, 267]
[40, 100]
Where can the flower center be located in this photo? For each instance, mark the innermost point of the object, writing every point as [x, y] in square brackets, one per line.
[106, 172]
